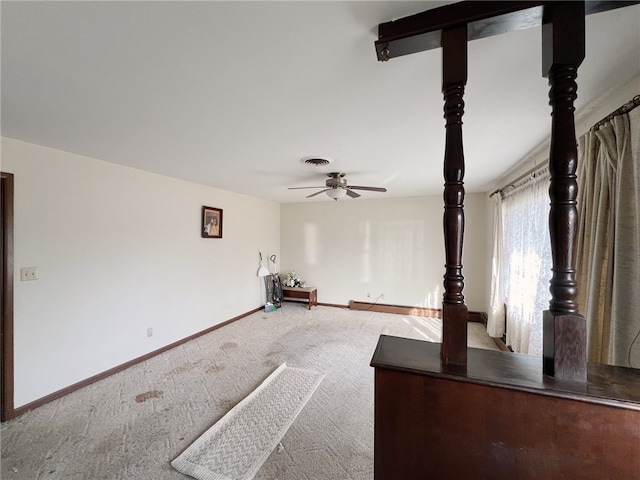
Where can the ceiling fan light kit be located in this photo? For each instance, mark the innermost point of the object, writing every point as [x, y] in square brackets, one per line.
[337, 187]
[336, 193]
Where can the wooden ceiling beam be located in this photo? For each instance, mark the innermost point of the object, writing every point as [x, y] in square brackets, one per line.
[423, 31]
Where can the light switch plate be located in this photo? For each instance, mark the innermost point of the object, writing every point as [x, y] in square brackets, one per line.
[28, 273]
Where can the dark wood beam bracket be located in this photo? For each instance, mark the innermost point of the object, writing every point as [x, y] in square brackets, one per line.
[423, 31]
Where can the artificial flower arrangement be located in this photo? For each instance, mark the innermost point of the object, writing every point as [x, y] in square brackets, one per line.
[291, 279]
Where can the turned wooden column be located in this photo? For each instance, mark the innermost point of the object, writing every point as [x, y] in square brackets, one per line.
[564, 330]
[454, 311]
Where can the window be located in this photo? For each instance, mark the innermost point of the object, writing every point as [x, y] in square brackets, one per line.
[525, 268]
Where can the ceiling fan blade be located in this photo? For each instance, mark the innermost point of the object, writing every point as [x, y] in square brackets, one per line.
[373, 189]
[317, 193]
[352, 194]
[299, 188]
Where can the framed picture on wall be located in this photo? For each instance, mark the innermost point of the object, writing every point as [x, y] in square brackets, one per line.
[211, 222]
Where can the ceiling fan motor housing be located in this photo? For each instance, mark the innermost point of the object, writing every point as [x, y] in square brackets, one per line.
[336, 180]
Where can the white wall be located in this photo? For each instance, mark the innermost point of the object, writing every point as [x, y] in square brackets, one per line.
[119, 251]
[392, 246]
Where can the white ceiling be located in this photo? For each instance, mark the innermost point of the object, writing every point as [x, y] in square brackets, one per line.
[233, 94]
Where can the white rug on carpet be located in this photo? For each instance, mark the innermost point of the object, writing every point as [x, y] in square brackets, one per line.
[236, 446]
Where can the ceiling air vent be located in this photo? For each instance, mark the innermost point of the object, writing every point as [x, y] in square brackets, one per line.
[316, 161]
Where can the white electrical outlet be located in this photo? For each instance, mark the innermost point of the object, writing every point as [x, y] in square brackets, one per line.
[28, 273]
[149, 332]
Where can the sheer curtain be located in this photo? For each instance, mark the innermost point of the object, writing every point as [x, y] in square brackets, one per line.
[525, 268]
[608, 248]
[495, 320]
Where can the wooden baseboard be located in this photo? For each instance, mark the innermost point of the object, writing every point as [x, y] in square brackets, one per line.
[383, 308]
[502, 346]
[400, 309]
[480, 317]
[77, 386]
[336, 305]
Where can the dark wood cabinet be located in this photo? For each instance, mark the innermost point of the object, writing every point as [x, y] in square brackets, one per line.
[500, 418]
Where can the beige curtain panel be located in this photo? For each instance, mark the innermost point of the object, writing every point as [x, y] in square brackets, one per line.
[608, 243]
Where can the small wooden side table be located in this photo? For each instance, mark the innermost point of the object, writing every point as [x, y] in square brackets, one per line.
[309, 294]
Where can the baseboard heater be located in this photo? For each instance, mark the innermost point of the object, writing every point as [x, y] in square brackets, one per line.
[480, 317]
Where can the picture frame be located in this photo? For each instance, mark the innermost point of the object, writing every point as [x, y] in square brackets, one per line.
[211, 222]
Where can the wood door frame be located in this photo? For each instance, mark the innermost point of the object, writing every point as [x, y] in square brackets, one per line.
[7, 412]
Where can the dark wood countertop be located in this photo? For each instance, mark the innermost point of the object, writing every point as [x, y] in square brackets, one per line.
[614, 386]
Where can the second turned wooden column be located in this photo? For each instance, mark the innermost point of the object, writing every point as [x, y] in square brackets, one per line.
[454, 311]
[564, 329]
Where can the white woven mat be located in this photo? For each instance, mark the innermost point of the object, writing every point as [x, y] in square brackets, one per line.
[236, 446]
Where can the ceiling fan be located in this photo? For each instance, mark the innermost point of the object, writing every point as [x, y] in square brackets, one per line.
[337, 187]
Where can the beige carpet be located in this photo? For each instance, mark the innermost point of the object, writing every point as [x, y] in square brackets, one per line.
[132, 424]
